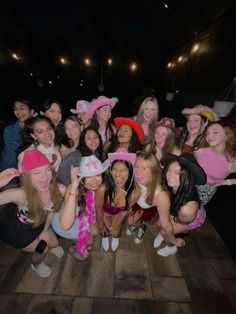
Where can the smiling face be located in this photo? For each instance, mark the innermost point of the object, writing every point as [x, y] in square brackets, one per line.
[41, 178]
[173, 175]
[22, 111]
[43, 133]
[142, 172]
[124, 134]
[194, 124]
[104, 113]
[72, 129]
[215, 135]
[149, 111]
[120, 174]
[53, 113]
[92, 183]
[160, 136]
[92, 140]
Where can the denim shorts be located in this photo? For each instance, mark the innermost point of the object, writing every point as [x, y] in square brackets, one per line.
[71, 233]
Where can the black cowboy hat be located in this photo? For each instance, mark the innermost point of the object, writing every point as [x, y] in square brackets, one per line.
[190, 162]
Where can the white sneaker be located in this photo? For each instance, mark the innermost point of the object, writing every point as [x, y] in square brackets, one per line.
[130, 230]
[114, 244]
[158, 240]
[57, 251]
[105, 243]
[167, 250]
[140, 235]
[43, 270]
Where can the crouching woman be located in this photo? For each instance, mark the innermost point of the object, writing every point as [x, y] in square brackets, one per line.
[26, 223]
[180, 176]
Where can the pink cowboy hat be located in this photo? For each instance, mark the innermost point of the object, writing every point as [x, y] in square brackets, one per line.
[81, 106]
[33, 159]
[122, 154]
[201, 110]
[99, 102]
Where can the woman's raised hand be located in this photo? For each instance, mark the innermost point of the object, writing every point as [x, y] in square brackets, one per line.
[75, 179]
[7, 175]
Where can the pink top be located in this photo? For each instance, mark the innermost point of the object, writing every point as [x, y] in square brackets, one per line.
[215, 165]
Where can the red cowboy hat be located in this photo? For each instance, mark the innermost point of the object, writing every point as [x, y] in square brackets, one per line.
[133, 124]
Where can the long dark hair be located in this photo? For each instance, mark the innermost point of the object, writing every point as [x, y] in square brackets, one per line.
[186, 191]
[109, 130]
[110, 187]
[27, 139]
[85, 150]
[134, 144]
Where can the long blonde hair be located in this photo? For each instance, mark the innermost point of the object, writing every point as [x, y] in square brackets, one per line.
[141, 110]
[154, 166]
[35, 205]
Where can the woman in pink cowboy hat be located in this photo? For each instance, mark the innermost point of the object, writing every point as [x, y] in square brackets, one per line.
[115, 197]
[82, 113]
[100, 113]
[26, 225]
[77, 219]
[198, 118]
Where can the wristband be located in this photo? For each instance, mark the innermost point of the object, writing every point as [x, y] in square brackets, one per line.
[73, 194]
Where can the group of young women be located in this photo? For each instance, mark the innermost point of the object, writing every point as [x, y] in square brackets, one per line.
[89, 176]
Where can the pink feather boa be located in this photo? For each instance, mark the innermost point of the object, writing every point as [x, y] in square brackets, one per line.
[86, 219]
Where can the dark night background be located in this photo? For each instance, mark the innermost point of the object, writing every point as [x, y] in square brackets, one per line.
[145, 32]
[142, 31]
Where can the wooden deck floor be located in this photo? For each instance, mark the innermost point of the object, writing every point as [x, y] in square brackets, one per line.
[200, 278]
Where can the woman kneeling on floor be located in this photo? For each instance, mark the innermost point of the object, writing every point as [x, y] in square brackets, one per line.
[77, 219]
[115, 197]
[152, 199]
[180, 176]
[26, 226]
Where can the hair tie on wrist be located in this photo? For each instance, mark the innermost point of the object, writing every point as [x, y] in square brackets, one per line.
[73, 194]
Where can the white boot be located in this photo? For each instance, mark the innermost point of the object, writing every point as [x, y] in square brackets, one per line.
[57, 251]
[43, 270]
[167, 250]
[105, 243]
[158, 240]
[114, 244]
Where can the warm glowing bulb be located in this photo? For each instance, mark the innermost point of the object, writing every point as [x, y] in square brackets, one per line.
[166, 6]
[109, 61]
[15, 56]
[63, 60]
[169, 65]
[180, 59]
[87, 61]
[133, 67]
[195, 48]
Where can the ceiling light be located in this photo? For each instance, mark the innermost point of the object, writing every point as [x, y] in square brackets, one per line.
[133, 67]
[195, 48]
[87, 61]
[15, 56]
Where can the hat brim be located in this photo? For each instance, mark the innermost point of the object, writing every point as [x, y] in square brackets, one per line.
[130, 157]
[133, 124]
[97, 103]
[203, 111]
[104, 167]
[198, 174]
